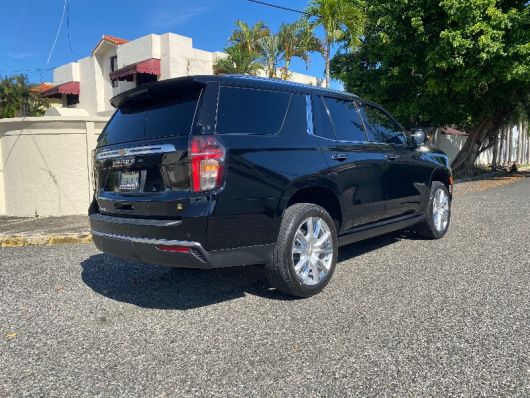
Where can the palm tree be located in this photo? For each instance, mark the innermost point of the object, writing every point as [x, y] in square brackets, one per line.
[296, 40]
[249, 36]
[271, 52]
[341, 20]
[238, 61]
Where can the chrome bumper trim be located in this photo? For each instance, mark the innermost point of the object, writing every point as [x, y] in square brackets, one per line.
[140, 150]
[149, 241]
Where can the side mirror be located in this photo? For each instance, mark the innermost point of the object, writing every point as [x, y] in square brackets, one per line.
[418, 138]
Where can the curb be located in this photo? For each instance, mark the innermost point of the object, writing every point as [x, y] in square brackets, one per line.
[44, 240]
[491, 174]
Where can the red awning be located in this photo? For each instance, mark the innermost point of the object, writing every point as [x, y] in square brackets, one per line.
[65, 88]
[149, 66]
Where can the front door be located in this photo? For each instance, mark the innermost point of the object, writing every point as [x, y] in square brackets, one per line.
[356, 165]
[407, 177]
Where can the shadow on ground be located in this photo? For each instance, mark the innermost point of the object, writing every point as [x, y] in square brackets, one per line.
[153, 286]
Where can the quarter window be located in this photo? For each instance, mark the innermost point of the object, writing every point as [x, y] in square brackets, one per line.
[381, 127]
[251, 111]
[345, 118]
[321, 121]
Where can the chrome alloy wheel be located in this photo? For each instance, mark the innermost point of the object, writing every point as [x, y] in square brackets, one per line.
[440, 210]
[312, 251]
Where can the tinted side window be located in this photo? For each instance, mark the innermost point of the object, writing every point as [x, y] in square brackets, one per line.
[321, 121]
[251, 111]
[346, 120]
[381, 127]
[296, 119]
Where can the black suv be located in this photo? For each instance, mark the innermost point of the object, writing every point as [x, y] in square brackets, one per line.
[217, 171]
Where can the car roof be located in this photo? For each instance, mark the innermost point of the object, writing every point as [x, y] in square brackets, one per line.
[236, 80]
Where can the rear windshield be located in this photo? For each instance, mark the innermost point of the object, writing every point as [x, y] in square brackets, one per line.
[152, 118]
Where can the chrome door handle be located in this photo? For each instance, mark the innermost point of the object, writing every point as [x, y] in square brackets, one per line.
[392, 156]
[339, 156]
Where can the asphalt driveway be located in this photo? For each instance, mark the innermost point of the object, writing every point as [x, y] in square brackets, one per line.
[402, 317]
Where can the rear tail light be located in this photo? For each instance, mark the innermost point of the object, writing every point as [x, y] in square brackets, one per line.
[207, 163]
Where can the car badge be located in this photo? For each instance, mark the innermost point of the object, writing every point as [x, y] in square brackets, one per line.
[122, 152]
[123, 162]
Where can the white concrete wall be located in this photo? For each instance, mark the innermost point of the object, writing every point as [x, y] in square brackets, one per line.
[452, 144]
[2, 190]
[66, 73]
[175, 52]
[145, 47]
[45, 166]
[89, 96]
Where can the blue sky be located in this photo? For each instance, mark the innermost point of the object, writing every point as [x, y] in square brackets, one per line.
[28, 28]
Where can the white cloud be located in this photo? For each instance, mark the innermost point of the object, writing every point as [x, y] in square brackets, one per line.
[169, 18]
[17, 55]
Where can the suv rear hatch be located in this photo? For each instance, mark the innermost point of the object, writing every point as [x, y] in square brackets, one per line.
[141, 162]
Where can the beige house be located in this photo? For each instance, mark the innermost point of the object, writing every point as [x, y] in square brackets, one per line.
[117, 65]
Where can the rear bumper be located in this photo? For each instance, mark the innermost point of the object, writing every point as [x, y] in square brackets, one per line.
[144, 248]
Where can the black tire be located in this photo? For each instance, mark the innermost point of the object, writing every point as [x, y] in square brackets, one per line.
[280, 270]
[427, 228]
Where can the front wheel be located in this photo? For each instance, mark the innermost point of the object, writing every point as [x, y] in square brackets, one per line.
[438, 214]
[305, 255]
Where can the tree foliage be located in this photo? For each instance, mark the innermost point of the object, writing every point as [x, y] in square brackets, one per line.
[17, 99]
[254, 47]
[342, 21]
[296, 40]
[271, 53]
[238, 61]
[249, 36]
[435, 62]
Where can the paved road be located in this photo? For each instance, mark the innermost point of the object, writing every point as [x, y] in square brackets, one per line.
[402, 317]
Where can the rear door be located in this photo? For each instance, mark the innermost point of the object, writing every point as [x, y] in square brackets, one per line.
[141, 162]
[407, 176]
[356, 165]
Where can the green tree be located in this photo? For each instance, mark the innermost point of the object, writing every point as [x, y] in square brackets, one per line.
[271, 53]
[247, 36]
[342, 21]
[296, 40]
[17, 99]
[435, 62]
[239, 61]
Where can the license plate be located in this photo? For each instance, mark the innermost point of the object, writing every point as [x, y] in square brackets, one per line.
[129, 181]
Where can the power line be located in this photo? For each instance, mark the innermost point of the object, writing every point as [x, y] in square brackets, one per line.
[58, 30]
[277, 6]
[68, 26]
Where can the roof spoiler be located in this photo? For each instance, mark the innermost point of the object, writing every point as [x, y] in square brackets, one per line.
[163, 87]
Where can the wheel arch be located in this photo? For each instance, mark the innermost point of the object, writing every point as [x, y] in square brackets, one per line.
[322, 194]
[443, 175]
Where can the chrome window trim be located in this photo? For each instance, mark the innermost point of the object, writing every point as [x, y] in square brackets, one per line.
[348, 142]
[309, 115]
[140, 150]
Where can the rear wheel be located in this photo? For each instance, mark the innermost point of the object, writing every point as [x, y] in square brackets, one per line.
[305, 255]
[438, 214]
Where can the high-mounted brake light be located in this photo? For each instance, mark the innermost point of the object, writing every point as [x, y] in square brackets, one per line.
[207, 163]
